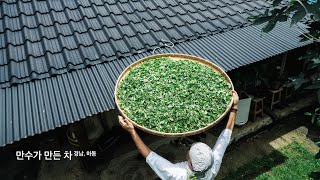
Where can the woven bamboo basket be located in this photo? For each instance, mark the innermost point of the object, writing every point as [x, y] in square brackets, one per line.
[174, 57]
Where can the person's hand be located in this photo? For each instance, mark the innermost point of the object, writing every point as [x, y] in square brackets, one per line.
[126, 124]
[235, 99]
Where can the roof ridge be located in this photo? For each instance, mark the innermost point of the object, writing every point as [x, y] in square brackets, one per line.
[78, 32]
[26, 1]
[91, 28]
[75, 21]
[102, 15]
[88, 62]
[93, 3]
[84, 45]
[72, 20]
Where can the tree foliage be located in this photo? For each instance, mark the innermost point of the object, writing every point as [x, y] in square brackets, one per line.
[294, 11]
[297, 12]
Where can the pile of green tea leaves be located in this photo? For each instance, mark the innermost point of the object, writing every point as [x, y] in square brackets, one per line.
[173, 96]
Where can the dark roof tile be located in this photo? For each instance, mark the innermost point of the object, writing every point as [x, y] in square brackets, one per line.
[98, 31]
[10, 10]
[57, 16]
[254, 13]
[69, 4]
[230, 21]
[187, 18]
[228, 11]
[138, 5]
[219, 23]
[246, 6]
[196, 26]
[178, 10]
[132, 18]
[56, 5]
[114, 9]
[238, 19]
[84, 2]
[264, 3]
[70, 42]
[189, 8]
[74, 15]
[176, 34]
[245, 15]
[209, 26]
[161, 4]
[153, 25]
[2, 40]
[3, 59]
[145, 15]
[187, 32]
[168, 12]
[42, 6]
[48, 32]
[128, 31]
[215, 3]
[200, 16]
[134, 42]
[209, 14]
[156, 13]
[219, 13]
[255, 5]
[151, 5]
[228, 2]
[101, 10]
[199, 6]
[107, 21]
[64, 30]
[172, 2]
[238, 8]
[177, 21]
[148, 39]
[126, 7]
[165, 23]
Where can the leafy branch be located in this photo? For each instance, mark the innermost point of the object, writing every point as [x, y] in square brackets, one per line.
[297, 11]
[294, 11]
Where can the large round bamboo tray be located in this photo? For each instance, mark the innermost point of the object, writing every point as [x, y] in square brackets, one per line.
[174, 57]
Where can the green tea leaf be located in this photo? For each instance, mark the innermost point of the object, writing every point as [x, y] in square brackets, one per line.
[173, 95]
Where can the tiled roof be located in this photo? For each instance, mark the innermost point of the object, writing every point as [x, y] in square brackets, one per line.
[40, 39]
[35, 107]
[59, 59]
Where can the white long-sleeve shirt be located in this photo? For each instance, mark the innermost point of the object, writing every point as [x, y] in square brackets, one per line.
[180, 171]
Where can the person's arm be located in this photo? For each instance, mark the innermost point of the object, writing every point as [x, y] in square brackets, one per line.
[224, 138]
[232, 119]
[128, 126]
[143, 148]
[233, 112]
[162, 167]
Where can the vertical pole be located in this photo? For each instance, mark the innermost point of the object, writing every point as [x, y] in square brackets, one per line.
[83, 142]
[283, 63]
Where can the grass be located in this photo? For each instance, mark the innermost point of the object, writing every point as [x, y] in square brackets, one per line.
[292, 162]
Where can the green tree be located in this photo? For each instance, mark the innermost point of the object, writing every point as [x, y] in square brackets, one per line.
[299, 12]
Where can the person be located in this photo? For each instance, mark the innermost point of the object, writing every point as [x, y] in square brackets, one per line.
[202, 161]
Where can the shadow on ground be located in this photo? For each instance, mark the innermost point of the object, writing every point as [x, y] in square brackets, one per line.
[252, 170]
